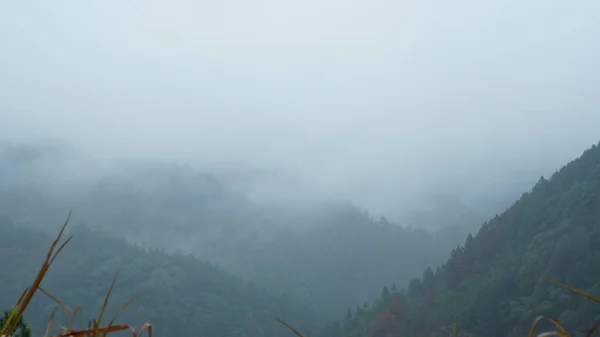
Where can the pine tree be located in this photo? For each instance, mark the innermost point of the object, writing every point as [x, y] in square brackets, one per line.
[22, 330]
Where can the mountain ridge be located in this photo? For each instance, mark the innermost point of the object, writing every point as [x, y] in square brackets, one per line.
[488, 285]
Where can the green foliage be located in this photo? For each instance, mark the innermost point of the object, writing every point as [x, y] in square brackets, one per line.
[12, 321]
[342, 260]
[288, 251]
[21, 329]
[177, 293]
[491, 286]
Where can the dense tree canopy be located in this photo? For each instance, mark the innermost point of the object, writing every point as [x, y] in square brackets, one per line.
[309, 264]
[490, 285]
[178, 293]
[328, 256]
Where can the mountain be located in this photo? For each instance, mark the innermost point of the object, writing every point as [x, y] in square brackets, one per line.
[323, 255]
[490, 285]
[339, 260]
[327, 255]
[178, 294]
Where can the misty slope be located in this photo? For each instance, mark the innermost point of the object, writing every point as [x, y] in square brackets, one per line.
[342, 259]
[488, 286]
[328, 256]
[180, 295]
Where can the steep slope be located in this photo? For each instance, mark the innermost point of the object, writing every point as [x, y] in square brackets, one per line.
[342, 259]
[489, 286]
[178, 294]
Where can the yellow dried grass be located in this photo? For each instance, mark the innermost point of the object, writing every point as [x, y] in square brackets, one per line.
[94, 330]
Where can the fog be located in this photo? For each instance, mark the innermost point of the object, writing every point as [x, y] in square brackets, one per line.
[379, 102]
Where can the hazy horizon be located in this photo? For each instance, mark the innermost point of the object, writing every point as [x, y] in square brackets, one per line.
[378, 102]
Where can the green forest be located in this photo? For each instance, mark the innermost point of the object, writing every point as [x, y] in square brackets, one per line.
[491, 285]
[178, 293]
[314, 168]
[178, 209]
[494, 284]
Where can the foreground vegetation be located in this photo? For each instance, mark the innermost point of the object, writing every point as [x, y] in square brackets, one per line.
[12, 323]
[179, 294]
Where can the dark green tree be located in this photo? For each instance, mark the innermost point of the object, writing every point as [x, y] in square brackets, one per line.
[22, 329]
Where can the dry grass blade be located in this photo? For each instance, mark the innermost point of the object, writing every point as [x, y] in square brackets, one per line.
[18, 310]
[145, 326]
[553, 333]
[50, 322]
[120, 310]
[73, 315]
[65, 308]
[60, 249]
[534, 326]
[50, 254]
[289, 327]
[558, 325]
[94, 331]
[578, 292]
[106, 298]
[562, 333]
[23, 295]
[589, 332]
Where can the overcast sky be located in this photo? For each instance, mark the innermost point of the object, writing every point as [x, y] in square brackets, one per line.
[375, 99]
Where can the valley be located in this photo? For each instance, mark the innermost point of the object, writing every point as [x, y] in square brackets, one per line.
[324, 261]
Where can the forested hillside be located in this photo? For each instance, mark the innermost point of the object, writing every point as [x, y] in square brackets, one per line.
[341, 260]
[327, 255]
[490, 286]
[179, 294]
